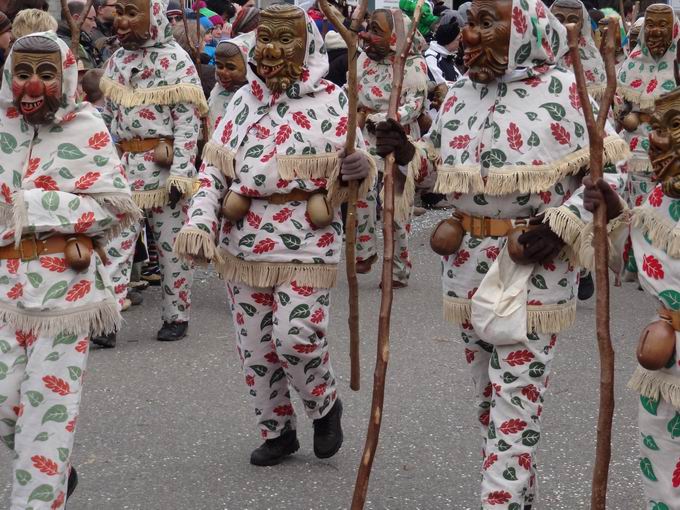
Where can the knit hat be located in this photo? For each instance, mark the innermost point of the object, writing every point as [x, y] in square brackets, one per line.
[246, 21]
[173, 9]
[5, 23]
[334, 41]
[216, 20]
[206, 23]
[446, 34]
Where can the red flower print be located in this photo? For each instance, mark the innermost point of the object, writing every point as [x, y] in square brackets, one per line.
[514, 137]
[498, 497]
[165, 63]
[271, 357]
[12, 266]
[460, 142]
[253, 219]
[261, 132]
[318, 316]
[283, 134]
[33, 164]
[71, 425]
[375, 90]
[516, 358]
[301, 120]
[283, 215]
[250, 380]
[56, 504]
[519, 21]
[470, 355]
[84, 223]
[262, 298]
[450, 102]
[305, 348]
[12, 113]
[561, 135]
[98, 140]
[87, 180]
[325, 240]
[6, 193]
[341, 129]
[16, 292]
[264, 246]
[319, 389]
[25, 339]
[676, 476]
[81, 346]
[574, 98]
[301, 290]
[484, 418]
[79, 291]
[57, 385]
[284, 410]
[531, 392]
[461, 258]
[652, 85]
[226, 132]
[491, 252]
[489, 461]
[70, 59]
[656, 197]
[45, 465]
[636, 84]
[46, 183]
[546, 196]
[653, 267]
[524, 460]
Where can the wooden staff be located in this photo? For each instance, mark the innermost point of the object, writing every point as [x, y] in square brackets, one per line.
[375, 420]
[596, 137]
[195, 48]
[75, 25]
[351, 37]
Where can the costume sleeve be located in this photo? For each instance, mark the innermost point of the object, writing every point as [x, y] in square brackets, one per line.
[574, 224]
[186, 128]
[412, 103]
[202, 226]
[107, 113]
[38, 211]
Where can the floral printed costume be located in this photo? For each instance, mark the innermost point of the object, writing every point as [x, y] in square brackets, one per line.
[279, 267]
[656, 244]
[51, 186]
[514, 149]
[219, 97]
[155, 92]
[641, 80]
[375, 81]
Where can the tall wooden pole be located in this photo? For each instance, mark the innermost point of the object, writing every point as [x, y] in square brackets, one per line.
[596, 128]
[383, 352]
[75, 24]
[351, 37]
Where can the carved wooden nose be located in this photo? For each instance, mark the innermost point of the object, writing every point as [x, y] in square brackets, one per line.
[35, 88]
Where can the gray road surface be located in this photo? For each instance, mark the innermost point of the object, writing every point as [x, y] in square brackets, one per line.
[168, 426]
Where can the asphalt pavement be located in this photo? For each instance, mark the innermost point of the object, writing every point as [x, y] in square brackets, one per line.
[168, 426]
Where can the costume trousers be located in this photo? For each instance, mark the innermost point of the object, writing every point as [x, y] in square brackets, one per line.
[120, 252]
[367, 239]
[510, 383]
[659, 424]
[176, 276]
[281, 341]
[40, 388]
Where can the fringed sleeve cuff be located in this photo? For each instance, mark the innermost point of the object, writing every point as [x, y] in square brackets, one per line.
[338, 192]
[195, 245]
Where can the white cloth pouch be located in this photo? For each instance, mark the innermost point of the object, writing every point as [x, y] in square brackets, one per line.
[499, 307]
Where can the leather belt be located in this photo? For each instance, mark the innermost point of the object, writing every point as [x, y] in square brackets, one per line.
[297, 195]
[481, 226]
[672, 316]
[30, 247]
[140, 145]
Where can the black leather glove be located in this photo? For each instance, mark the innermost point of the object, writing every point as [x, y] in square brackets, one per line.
[540, 244]
[391, 137]
[598, 194]
[174, 196]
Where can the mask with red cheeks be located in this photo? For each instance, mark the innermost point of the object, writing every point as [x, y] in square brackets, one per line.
[659, 29]
[487, 39]
[132, 23]
[375, 41]
[230, 68]
[36, 84]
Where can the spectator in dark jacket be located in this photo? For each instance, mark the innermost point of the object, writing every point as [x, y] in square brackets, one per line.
[337, 58]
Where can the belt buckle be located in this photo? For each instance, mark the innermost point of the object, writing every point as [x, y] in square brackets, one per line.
[22, 253]
[479, 226]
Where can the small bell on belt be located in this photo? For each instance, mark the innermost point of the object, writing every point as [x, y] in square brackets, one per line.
[77, 254]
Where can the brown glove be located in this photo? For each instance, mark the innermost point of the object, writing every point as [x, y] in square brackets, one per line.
[391, 138]
[174, 196]
[600, 193]
[671, 186]
[540, 243]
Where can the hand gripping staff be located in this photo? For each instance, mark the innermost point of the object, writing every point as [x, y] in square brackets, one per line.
[351, 37]
[596, 136]
[404, 43]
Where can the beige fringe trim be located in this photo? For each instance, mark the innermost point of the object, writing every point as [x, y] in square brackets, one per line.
[637, 97]
[122, 204]
[187, 185]
[338, 192]
[655, 384]
[523, 178]
[663, 234]
[218, 156]
[270, 274]
[20, 216]
[597, 91]
[191, 241]
[569, 228]
[165, 95]
[6, 214]
[308, 166]
[540, 318]
[150, 199]
[98, 318]
[639, 166]
[403, 203]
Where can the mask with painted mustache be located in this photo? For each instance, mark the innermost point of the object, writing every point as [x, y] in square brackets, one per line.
[487, 39]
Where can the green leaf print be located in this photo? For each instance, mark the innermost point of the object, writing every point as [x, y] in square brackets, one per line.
[649, 442]
[314, 363]
[452, 125]
[4, 346]
[534, 140]
[69, 151]
[539, 282]
[42, 493]
[35, 279]
[56, 413]
[270, 424]
[100, 160]
[523, 53]
[514, 506]
[674, 426]
[326, 125]
[276, 376]
[74, 373]
[291, 241]
[494, 360]
[516, 401]
[508, 378]
[522, 93]
[3, 370]
[530, 437]
[649, 404]
[56, 291]
[16, 179]
[260, 370]
[647, 470]
[255, 151]
[502, 446]
[293, 360]
[555, 110]
[510, 474]
[7, 143]
[35, 398]
[674, 210]
[536, 369]
[241, 117]
[660, 506]
[65, 173]
[63, 454]
[555, 86]
[50, 201]
[74, 204]
[494, 157]
[247, 241]
[43, 436]
[23, 477]
[300, 312]
[671, 298]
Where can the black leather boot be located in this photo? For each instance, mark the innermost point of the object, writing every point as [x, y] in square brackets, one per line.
[273, 451]
[72, 482]
[172, 331]
[105, 341]
[328, 432]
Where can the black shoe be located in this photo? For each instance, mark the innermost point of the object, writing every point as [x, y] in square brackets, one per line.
[172, 331]
[104, 341]
[273, 451]
[328, 432]
[586, 287]
[72, 482]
